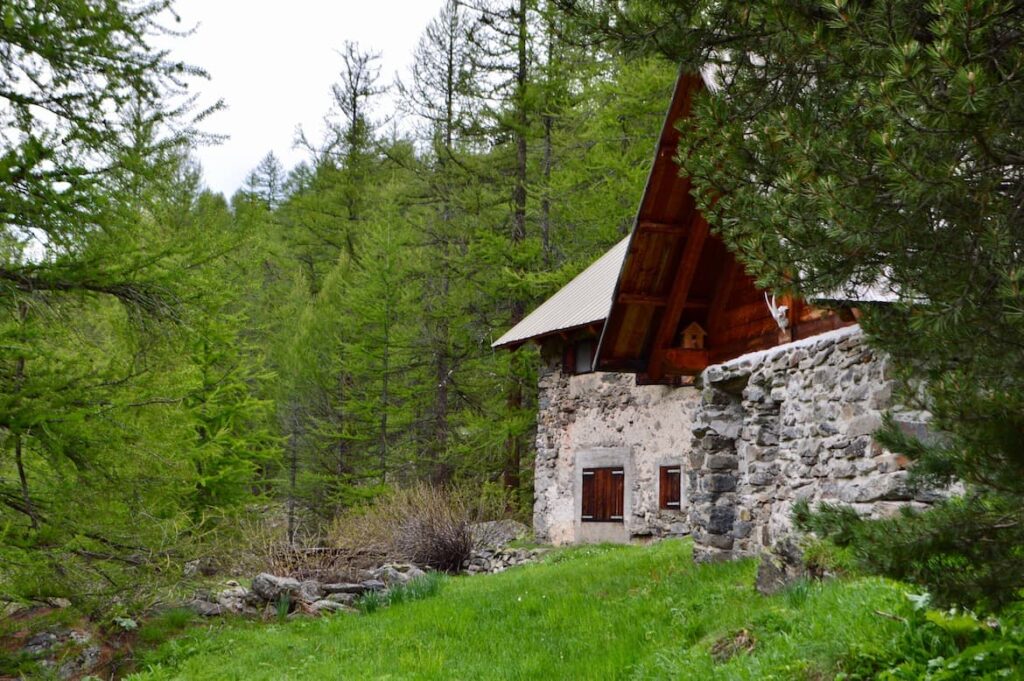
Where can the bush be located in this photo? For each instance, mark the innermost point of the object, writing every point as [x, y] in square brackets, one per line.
[965, 551]
[261, 544]
[423, 524]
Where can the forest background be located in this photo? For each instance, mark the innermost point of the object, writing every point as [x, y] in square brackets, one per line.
[177, 366]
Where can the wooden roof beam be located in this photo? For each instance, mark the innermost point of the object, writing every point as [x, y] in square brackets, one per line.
[677, 297]
[651, 227]
[641, 299]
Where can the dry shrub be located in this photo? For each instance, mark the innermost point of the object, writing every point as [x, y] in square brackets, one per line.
[423, 524]
[263, 547]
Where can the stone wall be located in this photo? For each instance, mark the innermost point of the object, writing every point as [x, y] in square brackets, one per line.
[605, 419]
[790, 423]
[764, 430]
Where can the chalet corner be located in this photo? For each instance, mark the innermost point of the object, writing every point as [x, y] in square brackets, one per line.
[678, 398]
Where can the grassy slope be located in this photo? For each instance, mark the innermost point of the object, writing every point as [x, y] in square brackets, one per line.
[585, 613]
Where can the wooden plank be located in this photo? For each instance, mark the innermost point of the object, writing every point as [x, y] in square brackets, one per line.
[686, 362]
[723, 292]
[680, 290]
[641, 299]
[652, 227]
[628, 366]
[742, 346]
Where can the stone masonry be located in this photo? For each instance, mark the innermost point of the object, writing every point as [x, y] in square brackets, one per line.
[793, 422]
[603, 419]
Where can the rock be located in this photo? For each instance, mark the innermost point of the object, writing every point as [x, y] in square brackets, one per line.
[780, 567]
[310, 591]
[344, 588]
[41, 642]
[59, 603]
[269, 587]
[373, 585]
[233, 599]
[327, 606]
[81, 664]
[343, 598]
[390, 576]
[205, 608]
[498, 533]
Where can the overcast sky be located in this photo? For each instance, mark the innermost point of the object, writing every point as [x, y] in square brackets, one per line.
[273, 64]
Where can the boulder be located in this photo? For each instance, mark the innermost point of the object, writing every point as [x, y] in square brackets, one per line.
[373, 585]
[270, 587]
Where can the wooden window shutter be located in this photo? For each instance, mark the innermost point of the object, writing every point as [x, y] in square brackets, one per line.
[617, 493]
[589, 495]
[603, 494]
[670, 487]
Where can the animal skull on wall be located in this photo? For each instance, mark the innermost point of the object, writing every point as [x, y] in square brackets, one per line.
[780, 313]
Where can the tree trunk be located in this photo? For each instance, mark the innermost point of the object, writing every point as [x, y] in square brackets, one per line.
[19, 381]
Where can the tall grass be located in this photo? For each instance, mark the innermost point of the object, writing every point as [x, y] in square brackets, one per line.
[585, 613]
[423, 587]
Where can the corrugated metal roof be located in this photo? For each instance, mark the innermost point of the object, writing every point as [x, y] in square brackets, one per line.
[584, 300]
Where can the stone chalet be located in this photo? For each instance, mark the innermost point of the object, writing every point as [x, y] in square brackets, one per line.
[677, 398]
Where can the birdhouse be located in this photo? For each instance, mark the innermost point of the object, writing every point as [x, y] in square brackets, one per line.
[693, 337]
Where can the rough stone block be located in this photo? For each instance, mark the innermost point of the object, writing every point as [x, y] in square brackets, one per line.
[863, 425]
[721, 462]
[719, 482]
[717, 541]
[741, 529]
[720, 520]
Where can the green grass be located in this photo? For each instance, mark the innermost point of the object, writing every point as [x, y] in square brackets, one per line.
[603, 612]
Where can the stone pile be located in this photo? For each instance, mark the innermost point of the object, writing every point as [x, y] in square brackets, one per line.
[66, 653]
[487, 561]
[270, 593]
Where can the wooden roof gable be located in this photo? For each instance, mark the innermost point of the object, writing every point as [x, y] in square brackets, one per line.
[676, 272]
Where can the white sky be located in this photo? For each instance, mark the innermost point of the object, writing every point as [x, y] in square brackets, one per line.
[273, 64]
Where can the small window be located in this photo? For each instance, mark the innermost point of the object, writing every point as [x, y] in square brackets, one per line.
[670, 487]
[579, 357]
[603, 493]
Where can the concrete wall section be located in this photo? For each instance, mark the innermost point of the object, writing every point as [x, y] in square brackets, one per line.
[588, 419]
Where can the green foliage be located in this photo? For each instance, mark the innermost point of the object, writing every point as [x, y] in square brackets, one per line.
[165, 625]
[965, 550]
[823, 557]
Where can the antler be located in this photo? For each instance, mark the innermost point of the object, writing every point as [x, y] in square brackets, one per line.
[779, 312]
